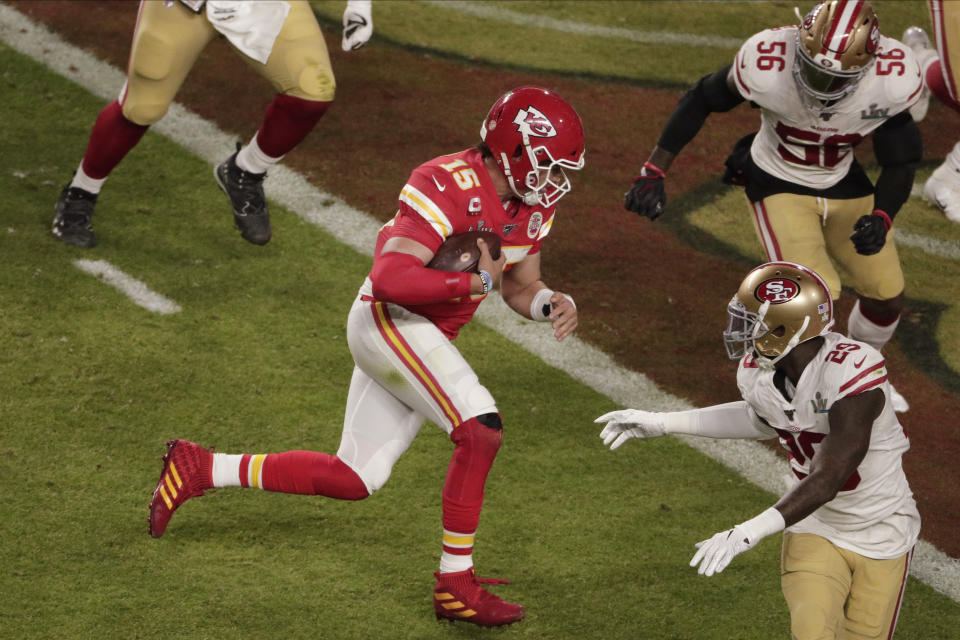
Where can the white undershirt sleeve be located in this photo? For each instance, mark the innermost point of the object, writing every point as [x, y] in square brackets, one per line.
[730, 420]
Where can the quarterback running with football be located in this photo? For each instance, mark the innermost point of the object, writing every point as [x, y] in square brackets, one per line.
[850, 519]
[400, 333]
[822, 87]
[280, 40]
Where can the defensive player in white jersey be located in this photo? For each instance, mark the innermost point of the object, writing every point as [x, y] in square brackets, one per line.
[821, 87]
[400, 329]
[850, 519]
[941, 73]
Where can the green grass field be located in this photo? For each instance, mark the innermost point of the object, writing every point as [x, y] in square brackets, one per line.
[596, 543]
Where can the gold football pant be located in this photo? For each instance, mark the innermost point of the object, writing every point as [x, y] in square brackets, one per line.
[815, 232]
[168, 40]
[836, 594]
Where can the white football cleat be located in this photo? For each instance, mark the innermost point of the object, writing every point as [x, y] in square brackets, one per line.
[918, 40]
[900, 404]
[942, 190]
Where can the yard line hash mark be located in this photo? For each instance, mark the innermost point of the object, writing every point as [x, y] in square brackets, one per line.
[137, 291]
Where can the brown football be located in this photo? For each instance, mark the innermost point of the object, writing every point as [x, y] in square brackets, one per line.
[460, 252]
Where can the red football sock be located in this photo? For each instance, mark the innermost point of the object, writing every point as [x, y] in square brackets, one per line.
[303, 472]
[476, 448]
[288, 121]
[938, 86]
[112, 137]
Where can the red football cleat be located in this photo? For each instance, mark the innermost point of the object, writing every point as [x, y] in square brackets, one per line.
[187, 471]
[459, 596]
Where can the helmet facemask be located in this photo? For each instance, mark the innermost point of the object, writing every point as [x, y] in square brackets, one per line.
[546, 180]
[815, 78]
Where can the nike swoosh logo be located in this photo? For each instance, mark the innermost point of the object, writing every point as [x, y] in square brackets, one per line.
[354, 23]
[857, 364]
[437, 182]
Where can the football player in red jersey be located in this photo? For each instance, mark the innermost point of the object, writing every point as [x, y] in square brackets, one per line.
[400, 331]
[941, 74]
[280, 40]
[850, 521]
[821, 86]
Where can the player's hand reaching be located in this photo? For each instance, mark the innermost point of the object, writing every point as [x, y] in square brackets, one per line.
[870, 232]
[647, 196]
[357, 24]
[625, 424]
[715, 554]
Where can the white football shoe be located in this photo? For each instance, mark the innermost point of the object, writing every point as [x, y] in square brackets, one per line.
[942, 190]
[918, 40]
[900, 404]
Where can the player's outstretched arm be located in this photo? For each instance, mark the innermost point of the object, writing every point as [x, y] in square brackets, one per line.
[730, 420]
[716, 92]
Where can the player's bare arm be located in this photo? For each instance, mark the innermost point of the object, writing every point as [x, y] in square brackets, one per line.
[524, 292]
[840, 453]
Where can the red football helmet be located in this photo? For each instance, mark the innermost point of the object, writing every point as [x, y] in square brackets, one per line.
[534, 135]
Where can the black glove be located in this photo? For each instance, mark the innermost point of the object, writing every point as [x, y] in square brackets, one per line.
[870, 232]
[647, 195]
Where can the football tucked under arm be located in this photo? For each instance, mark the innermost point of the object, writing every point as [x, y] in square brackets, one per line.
[460, 252]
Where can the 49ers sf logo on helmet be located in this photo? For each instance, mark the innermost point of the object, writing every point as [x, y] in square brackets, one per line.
[534, 123]
[777, 290]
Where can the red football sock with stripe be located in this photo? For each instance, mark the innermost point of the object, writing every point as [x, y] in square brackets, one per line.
[302, 472]
[476, 448]
[287, 122]
[112, 138]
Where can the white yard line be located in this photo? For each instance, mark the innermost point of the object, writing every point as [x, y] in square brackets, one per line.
[137, 291]
[358, 229]
[537, 21]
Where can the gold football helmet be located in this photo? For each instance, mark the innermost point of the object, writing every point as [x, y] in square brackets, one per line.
[836, 42]
[778, 306]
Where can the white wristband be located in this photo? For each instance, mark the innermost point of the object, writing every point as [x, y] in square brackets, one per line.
[540, 307]
[765, 524]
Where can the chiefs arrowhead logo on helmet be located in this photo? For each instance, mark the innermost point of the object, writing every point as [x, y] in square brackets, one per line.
[534, 123]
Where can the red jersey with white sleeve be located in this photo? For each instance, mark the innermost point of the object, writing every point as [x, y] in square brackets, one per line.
[454, 194]
[802, 141]
[874, 513]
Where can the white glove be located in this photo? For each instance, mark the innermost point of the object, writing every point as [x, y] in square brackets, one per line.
[630, 423]
[357, 24]
[715, 554]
